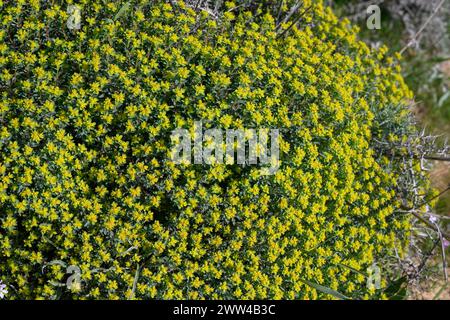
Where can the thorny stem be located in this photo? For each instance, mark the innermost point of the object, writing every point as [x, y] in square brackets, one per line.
[437, 158]
[431, 225]
[294, 22]
[414, 38]
[444, 260]
[289, 15]
[427, 256]
[428, 201]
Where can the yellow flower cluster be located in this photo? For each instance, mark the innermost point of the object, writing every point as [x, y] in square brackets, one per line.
[85, 171]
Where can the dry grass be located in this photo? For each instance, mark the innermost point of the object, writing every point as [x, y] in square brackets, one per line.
[434, 289]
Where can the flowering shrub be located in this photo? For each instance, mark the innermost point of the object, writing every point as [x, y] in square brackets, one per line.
[85, 173]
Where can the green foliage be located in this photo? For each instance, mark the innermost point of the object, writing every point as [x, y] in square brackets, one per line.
[85, 172]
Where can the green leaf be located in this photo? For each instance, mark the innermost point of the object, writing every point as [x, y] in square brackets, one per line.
[400, 295]
[122, 10]
[353, 269]
[396, 290]
[326, 290]
[444, 98]
[438, 294]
